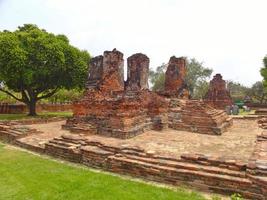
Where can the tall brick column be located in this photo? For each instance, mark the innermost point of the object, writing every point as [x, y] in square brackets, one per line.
[106, 72]
[175, 85]
[138, 71]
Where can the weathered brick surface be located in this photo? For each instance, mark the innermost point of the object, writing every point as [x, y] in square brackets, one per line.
[175, 85]
[10, 133]
[108, 108]
[138, 71]
[196, 170]
[106, 72]
[258, 161]
[197, 116]
[218, 96]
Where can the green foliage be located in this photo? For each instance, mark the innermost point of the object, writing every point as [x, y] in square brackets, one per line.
[237, 90]
[8, 117]
[196, 78]
[63, 96]
[27, 176]
[201, 88]
[263, 71]
[258, 93]
[236, 196]
[157, 78]
[215, 197]
[37, 64]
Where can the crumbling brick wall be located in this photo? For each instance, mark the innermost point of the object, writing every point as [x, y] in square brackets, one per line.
[218, 96]
[113, 108]
[175, 84]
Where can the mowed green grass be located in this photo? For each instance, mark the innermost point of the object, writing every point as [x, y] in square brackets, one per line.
[40, 115]
[24, 176]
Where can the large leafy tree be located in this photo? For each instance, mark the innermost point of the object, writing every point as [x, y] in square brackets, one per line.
[196, 78]
[258, 92]
[36, 64]
[238, 91]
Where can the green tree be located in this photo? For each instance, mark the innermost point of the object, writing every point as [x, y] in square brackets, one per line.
[63, 96]
[196, 78]
[157, 78]
[237, 90]
[201, 89]
[263, 71]
[258, 92]
[37, 64]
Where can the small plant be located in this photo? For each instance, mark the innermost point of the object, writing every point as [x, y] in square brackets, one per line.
[236, 196]
[215, 197]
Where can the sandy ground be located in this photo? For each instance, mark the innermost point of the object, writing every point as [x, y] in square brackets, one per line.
[237, 143]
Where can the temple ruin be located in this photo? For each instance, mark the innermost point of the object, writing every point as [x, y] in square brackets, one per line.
[123, 109]
[218, 96]
[175, 84]
[113, 108]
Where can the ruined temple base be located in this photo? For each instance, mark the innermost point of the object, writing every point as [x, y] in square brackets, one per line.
[197, 116]
[120, 115]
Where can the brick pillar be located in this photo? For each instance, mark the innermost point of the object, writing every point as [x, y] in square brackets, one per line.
[137, 72]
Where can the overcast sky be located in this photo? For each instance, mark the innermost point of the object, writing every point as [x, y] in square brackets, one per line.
[229, 36]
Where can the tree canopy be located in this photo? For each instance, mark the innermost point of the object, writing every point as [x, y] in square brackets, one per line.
[196, 78]
[36, 64]
[237, 91]
[258, 93]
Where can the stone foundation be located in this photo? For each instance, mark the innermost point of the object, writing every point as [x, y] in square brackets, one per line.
[206, 173]
[196, 116]
[109, 117]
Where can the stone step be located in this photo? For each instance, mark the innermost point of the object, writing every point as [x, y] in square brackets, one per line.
[189, 166]
[177, 172]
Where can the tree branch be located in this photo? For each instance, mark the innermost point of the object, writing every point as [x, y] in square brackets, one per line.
[24, 96]
[47, 95]
[12, 95]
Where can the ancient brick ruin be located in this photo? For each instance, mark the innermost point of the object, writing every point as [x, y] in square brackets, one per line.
[218, 96]
[197, 116]
[113, 108]
[175, 85]
[190, 115]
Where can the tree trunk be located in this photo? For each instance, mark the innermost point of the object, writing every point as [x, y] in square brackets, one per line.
[32, 108]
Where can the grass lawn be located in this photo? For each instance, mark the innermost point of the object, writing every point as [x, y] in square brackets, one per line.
[40, 115]
[27, 176]
[242, 112]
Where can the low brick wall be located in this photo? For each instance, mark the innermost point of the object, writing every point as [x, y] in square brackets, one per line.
[256, 106]
[54, 107]
[21, 108]
[12, 108]
[196, 170]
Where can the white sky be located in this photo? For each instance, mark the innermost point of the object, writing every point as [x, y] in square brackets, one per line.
[229, 36]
